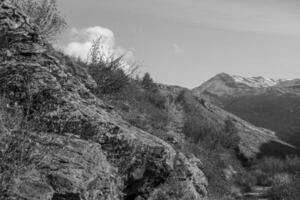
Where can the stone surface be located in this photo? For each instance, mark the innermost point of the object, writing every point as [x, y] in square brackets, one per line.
[79, 147]
[65, 165]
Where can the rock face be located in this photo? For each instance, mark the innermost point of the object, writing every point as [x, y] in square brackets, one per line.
[77, 147]
[65, 167]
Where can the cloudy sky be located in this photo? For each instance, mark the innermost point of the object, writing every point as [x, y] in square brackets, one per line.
[185, 42]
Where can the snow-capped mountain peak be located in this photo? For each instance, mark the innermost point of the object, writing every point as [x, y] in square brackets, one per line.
[256, 82]
[226, 85]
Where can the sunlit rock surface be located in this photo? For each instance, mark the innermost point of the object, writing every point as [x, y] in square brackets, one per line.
[78, 148]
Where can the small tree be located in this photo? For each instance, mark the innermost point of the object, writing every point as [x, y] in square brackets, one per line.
[147, 81]
[44, 14]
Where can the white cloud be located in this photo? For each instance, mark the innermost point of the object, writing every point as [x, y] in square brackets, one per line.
[82, 41]
[177, 49]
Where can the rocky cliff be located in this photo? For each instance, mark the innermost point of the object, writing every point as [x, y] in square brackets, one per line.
[73, 145]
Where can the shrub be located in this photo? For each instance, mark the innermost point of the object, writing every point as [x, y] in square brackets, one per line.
[282, 175]
[231, 138]
[188, 101]
[147, 82]
[285, 191]
[180, 97]
[109, 76]
[272, 165]
[203, 131]
[109, 73]
[194, 127]
[44, 14]
[246, 181]
[292, 164]
[156, 98]
[137, 121]
[144, 108]
[262, 178]
[158, 119]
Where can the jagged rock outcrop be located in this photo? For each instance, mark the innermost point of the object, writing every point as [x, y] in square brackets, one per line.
[76, 146]
[60, 167]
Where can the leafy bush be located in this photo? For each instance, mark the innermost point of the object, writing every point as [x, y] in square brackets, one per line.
[202, 131]
[44, 14]
[285, 191]
[292, 164]
[281, 175]
[246, 180]
[109, 76]
[156, 98]
[213, 167]
[272, 165]
[188, 101]
[197, 129]
[262, 178]
[137, 121]
[231, 138]
[109, 73]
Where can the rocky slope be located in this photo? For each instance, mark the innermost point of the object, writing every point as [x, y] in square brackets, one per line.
[272, 104]
[74, 146]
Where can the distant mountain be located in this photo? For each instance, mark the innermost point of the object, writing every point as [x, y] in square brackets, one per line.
[253, 138]
[256, 82]
[269, 103]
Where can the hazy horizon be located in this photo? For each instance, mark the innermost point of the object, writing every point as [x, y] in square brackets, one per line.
[187, 42]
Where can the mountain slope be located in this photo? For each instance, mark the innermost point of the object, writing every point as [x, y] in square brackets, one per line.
[275, 106]
[59, 141]
[207, 138]
[252, 137]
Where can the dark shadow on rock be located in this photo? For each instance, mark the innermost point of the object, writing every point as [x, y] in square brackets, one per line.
[67, 196]
[278, 150]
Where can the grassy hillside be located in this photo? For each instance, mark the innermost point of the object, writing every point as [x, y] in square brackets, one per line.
[71, 130]
[278, 112]
[194, 127]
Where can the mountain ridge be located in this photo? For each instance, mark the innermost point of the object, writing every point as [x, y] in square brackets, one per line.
[263, 106]
[245, 83]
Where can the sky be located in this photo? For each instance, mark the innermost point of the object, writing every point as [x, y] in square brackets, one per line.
[186, 42]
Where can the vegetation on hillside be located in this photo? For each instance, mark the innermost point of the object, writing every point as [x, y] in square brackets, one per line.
[277, 112]
[111, 73]
[44, 14]
[281, 176]
[215, 143]
[142, 104]
[138, 100]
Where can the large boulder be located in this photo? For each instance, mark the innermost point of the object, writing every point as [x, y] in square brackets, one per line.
[59, 167]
